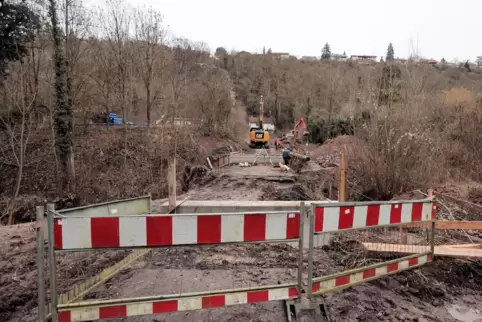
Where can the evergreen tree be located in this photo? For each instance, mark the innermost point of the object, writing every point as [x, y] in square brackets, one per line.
[326, 52]
[19, 26]
[443, 61]
[389, 84]
[390, 53]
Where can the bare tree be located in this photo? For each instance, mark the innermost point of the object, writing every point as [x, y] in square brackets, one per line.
[148, 52]
[19, 95]
[117, 26]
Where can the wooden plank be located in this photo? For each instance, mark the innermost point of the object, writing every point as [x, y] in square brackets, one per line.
[469, 225]
[342, 192]
[463, 246]
[410, 249]
[449, 224]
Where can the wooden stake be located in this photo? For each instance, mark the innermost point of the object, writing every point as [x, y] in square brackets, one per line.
[171, 182]
[342, 185]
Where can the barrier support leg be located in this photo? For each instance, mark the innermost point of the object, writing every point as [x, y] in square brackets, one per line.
[52, 264]
[40, 263]
[310, 250]
[300, 249]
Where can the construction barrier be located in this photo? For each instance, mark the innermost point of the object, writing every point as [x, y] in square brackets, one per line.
[345, 217]
[80, 233]
[118, 227]
[132, 207]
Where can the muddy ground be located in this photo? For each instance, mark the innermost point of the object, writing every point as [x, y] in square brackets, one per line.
[446, 290]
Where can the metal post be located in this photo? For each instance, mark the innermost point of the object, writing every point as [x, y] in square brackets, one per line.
[300, 248]
[40, 263]
[310, 250]
[52, 263]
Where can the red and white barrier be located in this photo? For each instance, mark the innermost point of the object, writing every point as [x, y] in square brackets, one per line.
[332, 219]
[327, 284]
[176, 305]
[164, 230]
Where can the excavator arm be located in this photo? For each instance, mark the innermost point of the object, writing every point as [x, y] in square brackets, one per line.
[261, 112]
[296, 132]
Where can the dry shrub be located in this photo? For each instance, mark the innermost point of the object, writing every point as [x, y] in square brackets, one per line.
[110, 164]
[460, 117]
[400, 153]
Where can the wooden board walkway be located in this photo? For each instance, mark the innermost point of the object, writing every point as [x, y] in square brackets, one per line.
[445, 250]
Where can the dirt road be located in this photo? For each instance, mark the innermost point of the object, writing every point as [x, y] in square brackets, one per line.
[446, 290]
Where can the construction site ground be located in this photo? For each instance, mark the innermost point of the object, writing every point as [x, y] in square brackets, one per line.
[447, 290]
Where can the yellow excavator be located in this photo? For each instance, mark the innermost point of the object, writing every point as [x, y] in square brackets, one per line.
[258, 136]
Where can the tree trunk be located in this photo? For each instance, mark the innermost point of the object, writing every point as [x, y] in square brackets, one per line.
[63, 114]
[148, 104]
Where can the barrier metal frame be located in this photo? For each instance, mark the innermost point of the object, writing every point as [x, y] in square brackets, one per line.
[91, 310]
[348, 278]
[132, 206]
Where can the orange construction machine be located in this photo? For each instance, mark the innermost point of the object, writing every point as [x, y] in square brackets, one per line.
[258, 136]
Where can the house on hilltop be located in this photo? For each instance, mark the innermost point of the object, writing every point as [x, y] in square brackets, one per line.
[364, 59]
[338, 57]
[309, 58]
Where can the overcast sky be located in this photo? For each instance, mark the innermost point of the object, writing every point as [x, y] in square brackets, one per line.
[434, 28]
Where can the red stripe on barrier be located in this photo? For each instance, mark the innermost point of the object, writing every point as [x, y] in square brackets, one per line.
[434, 210]
[369, 273]
[396, 214]
[373, 214]
[417, 209]
[213, 301]
[319, 214]
[315, 287]
[429, 258]
[208, 229]
[254, 227]
[392, 267]
[292, 226]
[105, 232]
[65, 316]
[58, 233]
[413, 261]
[164, 306]
[292, 292]
[258, 296]
[159, 231]
[110, 312]
[342, 280]
[346, 217]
